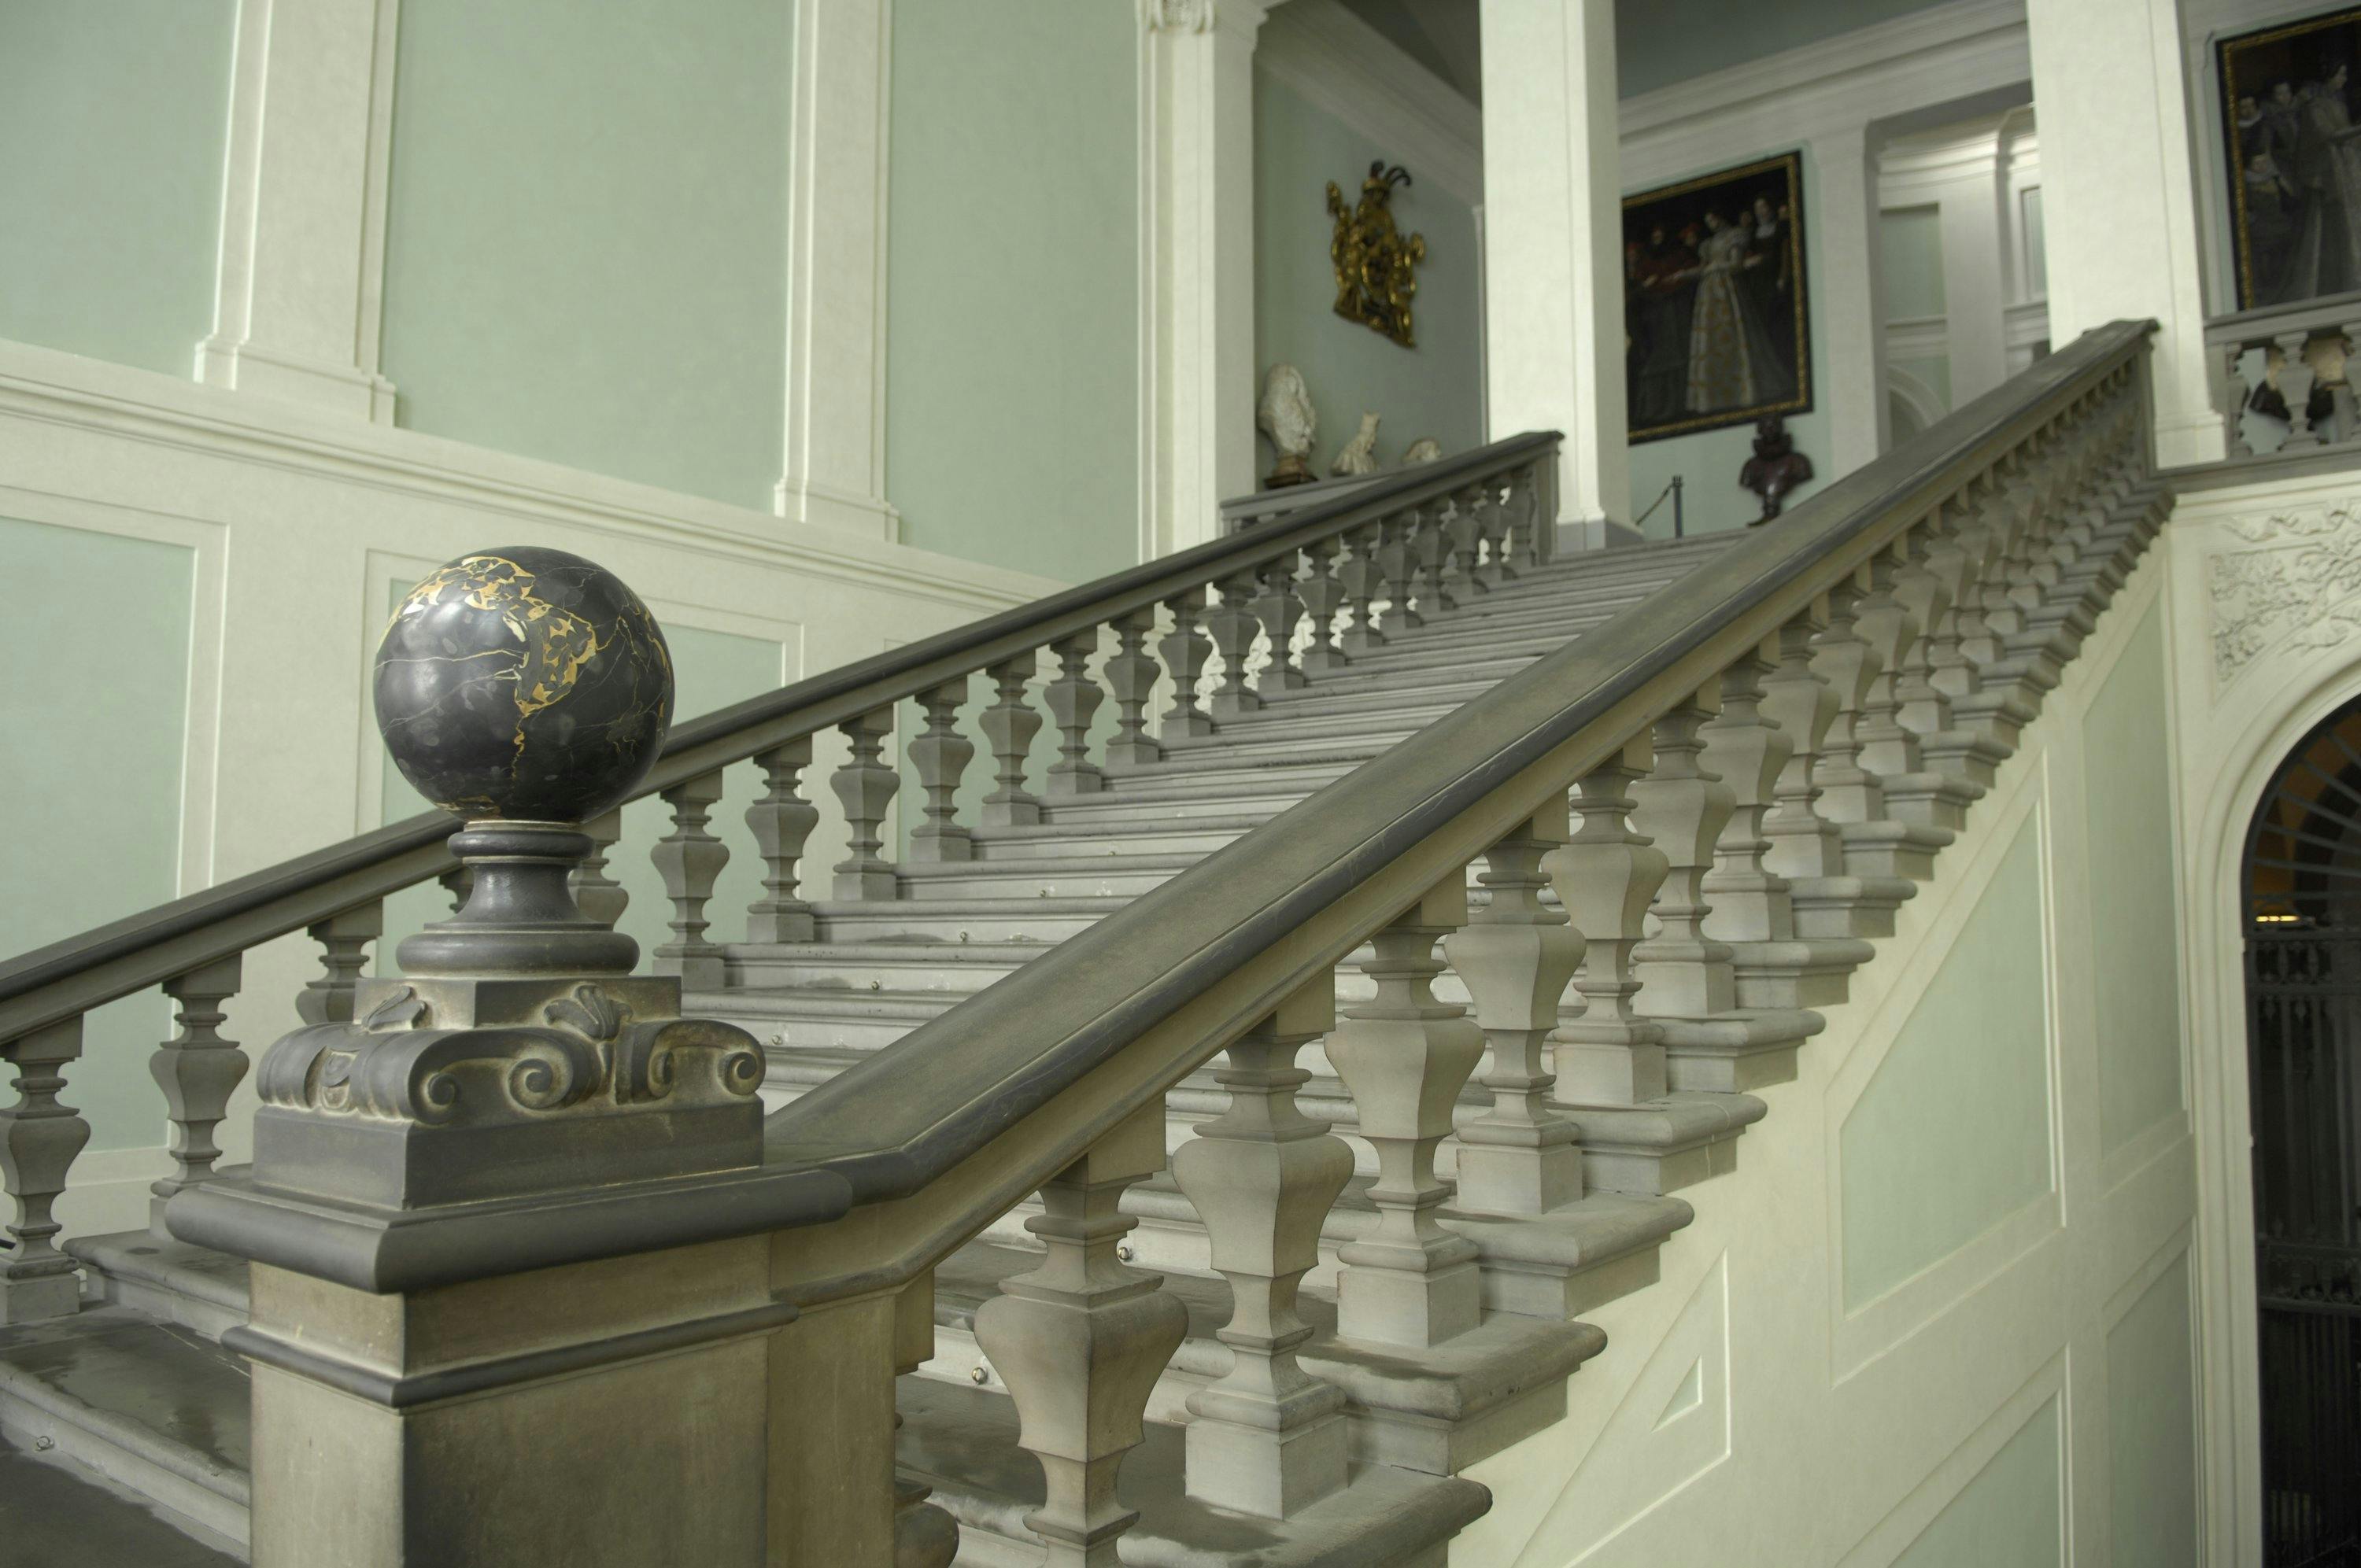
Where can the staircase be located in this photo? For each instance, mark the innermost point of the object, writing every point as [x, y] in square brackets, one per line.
[1768, 740]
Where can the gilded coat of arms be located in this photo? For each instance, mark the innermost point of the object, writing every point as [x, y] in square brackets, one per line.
[1375, 280]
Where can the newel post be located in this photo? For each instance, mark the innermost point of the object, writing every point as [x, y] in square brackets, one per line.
[492, 1319]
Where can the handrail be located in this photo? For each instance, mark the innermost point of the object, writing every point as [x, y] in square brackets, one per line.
[2269, 321]
[1187, 966]
[72, 976]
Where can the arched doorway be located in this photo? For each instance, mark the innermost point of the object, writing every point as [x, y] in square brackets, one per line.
[2303, 919]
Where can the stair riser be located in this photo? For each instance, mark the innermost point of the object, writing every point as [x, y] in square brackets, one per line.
[128, 1455]
[1103, 877]
[1150, 838]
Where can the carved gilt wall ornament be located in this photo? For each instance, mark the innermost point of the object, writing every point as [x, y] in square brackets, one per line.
[2300, 589]
[1375, 264]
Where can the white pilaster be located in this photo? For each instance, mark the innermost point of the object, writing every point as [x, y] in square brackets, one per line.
[1852, 378]
[1553, 246]
[835, 447]
[2118, 200]
[1197, 294]
[303, 245]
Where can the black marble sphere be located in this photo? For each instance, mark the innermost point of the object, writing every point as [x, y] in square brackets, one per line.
[524, 683]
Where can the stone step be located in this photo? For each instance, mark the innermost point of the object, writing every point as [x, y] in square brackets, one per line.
[154, 1408]
[995, 914]
[55, 1510]
[1065, 876]
[1155, 832]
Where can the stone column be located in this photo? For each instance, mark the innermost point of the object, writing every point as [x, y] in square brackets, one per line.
[497, 1312]
[1845, 252]
[1198, 65]
[2108, 87]
[1552, 247]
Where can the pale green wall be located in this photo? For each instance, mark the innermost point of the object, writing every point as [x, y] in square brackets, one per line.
[1953, 1134]
[1436, 389]
[2134, 942]
[2152, 1428]
[113, 115]
[1012, 391]
[1710, 462]
[1910, 261]
[714, 669]
[97, 631]
[2008, 1513]
[1661, 42]
[585, 247]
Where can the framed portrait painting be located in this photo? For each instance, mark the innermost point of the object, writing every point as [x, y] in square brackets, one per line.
[1717, 327]
[2294, 158]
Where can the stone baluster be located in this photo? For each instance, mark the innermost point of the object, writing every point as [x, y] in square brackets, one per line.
[1529, 500]
[1805, 847]
[1184, 648]
[1363, 576]
[1322, 595]
[596, 893]
[2348, 409]
[925, 1536]
[1431, 540]
[2295, 379]
[1889, 748]
[1877, 845]
[39, 1141]
[343, 939]
[1081, 1341]
[1131, 676]
[1492, 524]
[1683, 808]
[1268, 1437]
[2230, 397]
[198, 1070]
[1517, 958]
[1467, 535]
[782, 822]
[690, 861]
[865, 787]
[1404, 1057]
[1278, 607]
[941, 755]
[1232, 624]
[1074, 700]
[1750, 903]
[1606, 877]
[1398, 558]
[1964, 759]
[1009, 726]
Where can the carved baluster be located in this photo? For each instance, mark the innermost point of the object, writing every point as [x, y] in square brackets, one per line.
[1398, 558]
[1278, 607]
[1492, 526]
[1876, 845]
[1920, 588]
[941, 755]
[1528, 499]
[1467, 539]
[1081, 1341]
[2295, 379]
[1606, 877]
[2348, 410]
[596, 893]
[1268, 1437]
[691, 860]
[1888, 747]
[1965, 760]
[1074, 700]
[1517, 958]
[1404, 1057]
[1131, 675]
[865, 787]
[197, 1070]
[1683, 808]
[782, 823]
[39, 1141]
[1322, 596]
[925, 1536]
[1750, 902]
[1009, 726]
[1807, 848]
[1431, 543]
[343, 939]
[1364, 584]
[1184, 648]
[2231, 397]
[1232, 625]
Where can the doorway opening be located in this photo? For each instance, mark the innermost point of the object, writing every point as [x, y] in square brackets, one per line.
[2302, 928]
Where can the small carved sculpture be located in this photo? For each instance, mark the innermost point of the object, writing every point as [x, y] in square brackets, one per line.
[1290, 421]
[1426, 449]
[1776, 469]
[1375, 265]
[1359, 456]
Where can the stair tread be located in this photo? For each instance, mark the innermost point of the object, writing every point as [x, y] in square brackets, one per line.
[179, 1394]
[54, 1510]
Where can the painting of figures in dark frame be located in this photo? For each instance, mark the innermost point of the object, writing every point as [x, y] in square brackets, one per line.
[1717, 327]
[2294, 158]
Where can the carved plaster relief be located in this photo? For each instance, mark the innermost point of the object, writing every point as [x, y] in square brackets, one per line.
[2299, 589]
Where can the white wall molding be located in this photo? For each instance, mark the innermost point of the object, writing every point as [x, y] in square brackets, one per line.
[1967, 172]
[841, 107]
[1197, 360]
[1339, 63]
[301, 271]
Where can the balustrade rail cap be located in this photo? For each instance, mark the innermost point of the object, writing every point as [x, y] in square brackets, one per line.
[2264, 321]
[68, 977]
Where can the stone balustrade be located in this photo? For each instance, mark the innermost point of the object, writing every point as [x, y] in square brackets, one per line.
[2280, 382]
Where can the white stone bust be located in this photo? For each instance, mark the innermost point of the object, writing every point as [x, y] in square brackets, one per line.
[1426, 449]
[1285, 414]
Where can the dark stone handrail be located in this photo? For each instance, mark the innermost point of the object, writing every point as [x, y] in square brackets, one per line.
[72, 976]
